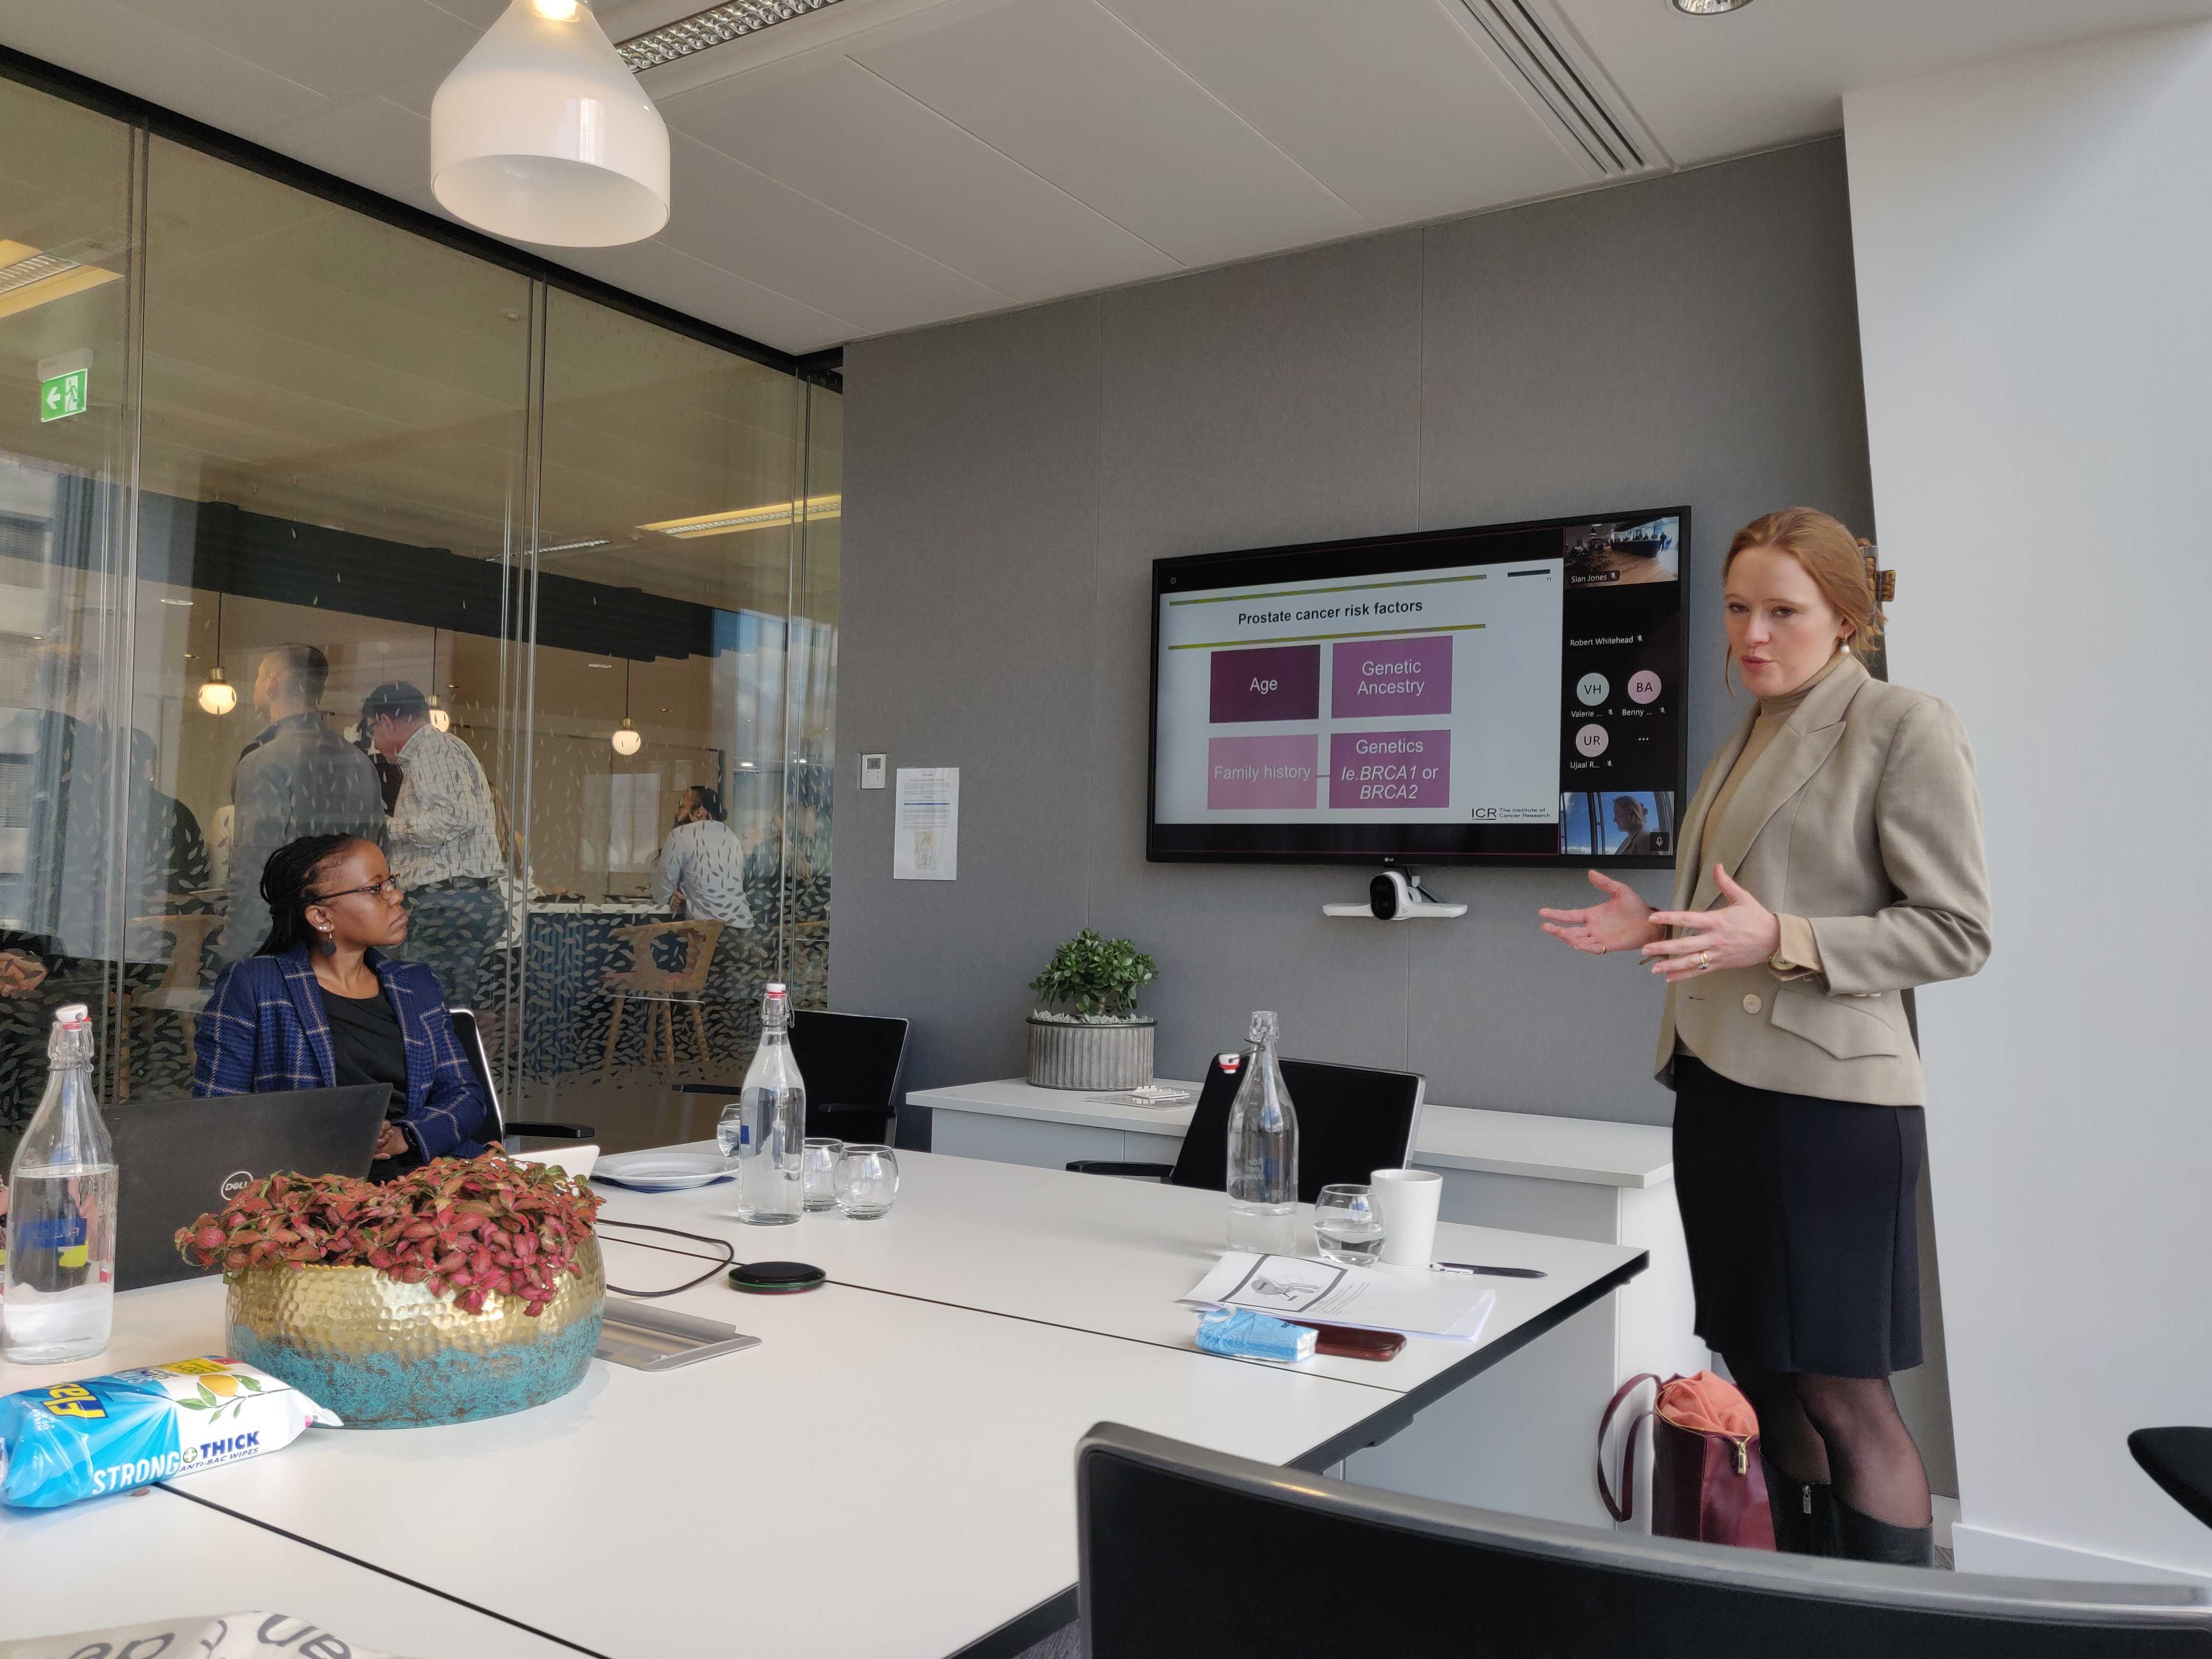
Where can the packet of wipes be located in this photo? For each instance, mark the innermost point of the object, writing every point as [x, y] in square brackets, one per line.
[108, 1434]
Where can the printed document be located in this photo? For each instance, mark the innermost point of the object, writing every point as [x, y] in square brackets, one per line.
[1412, 1300]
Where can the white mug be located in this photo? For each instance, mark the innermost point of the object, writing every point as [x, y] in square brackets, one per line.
[1407, 1199]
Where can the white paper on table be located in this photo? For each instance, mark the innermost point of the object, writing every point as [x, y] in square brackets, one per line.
[1412, 1300]
[925, 829]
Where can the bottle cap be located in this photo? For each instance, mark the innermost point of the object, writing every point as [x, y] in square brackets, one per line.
[775, 988]
[72, 1016]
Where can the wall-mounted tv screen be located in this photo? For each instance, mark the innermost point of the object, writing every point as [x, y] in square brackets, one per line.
[1508, 694]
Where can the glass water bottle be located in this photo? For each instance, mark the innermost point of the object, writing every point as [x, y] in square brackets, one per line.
[59, 1300]
[770, 1130]
[1263, 1152]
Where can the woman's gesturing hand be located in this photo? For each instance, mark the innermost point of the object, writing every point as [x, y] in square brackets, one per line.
[1740, 933]
[1623, 922]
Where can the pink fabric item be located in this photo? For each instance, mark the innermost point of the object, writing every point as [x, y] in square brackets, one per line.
[1708, 1404]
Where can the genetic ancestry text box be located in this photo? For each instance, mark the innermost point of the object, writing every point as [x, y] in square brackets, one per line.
[1390, 677]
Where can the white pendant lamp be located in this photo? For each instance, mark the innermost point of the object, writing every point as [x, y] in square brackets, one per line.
[440, 719]
[218, 696]
[626, 739]
[543, 134]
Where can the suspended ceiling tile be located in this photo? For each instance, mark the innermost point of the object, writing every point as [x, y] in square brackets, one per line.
[370, 141]
[1390, 103]
[170, 65]
[658, 271]
[1066, 89]
[746, 222]
[335, 48]
[1777, 72]
[851, 140]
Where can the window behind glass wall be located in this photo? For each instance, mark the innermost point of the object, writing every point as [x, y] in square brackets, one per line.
[309, 428]
[65, 215]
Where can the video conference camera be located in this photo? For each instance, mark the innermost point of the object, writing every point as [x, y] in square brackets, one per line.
[1397, 896]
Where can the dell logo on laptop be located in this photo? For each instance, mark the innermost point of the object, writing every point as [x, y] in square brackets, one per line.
[236, 1182]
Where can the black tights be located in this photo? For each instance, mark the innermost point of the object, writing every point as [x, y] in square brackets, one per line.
[1841, 1428]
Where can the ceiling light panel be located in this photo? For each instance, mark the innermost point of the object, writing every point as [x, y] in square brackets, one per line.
[748, 518]
[710, 27]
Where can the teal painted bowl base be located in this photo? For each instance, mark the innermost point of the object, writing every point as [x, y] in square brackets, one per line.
[413, 1391]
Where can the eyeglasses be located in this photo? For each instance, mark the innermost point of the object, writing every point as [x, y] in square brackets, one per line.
[387, 888]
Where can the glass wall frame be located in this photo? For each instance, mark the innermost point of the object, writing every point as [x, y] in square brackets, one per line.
[543, 506]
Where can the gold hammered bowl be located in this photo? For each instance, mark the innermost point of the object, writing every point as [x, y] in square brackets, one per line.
[382, 1354]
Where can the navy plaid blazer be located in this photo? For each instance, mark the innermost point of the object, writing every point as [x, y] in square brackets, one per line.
[262, 1032]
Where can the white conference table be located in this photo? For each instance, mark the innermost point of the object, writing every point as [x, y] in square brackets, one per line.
[1111, 1257]
[156, 1555]
[889, 1473]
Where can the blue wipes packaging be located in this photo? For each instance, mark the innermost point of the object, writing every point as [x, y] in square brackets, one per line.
[1244, 1334]
[108, 1434]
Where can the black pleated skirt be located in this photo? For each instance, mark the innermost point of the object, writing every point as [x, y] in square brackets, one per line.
[1802, 1222]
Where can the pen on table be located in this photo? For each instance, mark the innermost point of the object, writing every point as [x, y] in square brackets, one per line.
[1475, 1268]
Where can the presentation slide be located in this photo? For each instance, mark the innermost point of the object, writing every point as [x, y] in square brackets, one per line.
[1429, 696]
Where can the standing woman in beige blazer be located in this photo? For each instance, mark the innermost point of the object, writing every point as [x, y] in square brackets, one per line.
[1830, 861]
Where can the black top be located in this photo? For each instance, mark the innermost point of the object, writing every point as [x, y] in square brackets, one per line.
[366, 1042]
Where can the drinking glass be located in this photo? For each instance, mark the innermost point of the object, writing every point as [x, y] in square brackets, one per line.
[730, 1131]
[1348, 1229]
[820, 1161]
[867, 1181]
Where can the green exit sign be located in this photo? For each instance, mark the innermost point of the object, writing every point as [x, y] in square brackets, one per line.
[64, 395]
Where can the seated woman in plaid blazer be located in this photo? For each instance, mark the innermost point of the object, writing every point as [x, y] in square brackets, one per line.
[321, 1007]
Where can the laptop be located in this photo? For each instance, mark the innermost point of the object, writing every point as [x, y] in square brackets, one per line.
[177, 1160]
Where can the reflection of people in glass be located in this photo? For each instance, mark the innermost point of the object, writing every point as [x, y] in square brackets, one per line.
[297, 778]
[324, 1006]
[1628, 818]
[170, 853]
[443, 837]
[701, 871]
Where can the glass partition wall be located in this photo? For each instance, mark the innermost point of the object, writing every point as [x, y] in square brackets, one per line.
[310, 524]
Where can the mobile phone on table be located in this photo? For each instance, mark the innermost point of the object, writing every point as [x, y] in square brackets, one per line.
[1347, 1342]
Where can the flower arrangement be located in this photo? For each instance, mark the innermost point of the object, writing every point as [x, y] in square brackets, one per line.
[471, 1229]
[1098, 977]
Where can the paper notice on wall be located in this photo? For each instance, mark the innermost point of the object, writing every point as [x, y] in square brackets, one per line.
[926, 841]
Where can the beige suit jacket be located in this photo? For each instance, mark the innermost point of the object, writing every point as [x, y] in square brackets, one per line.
[1862, 816]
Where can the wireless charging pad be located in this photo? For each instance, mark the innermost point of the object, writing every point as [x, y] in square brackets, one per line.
[775, 1278]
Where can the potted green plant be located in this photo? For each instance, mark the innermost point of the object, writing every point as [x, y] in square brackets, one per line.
[467, 1288]
[1094, 1038]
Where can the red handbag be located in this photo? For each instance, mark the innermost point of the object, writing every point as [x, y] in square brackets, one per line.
[1706, 1481]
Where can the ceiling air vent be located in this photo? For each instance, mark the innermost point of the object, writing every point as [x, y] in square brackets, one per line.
[710, 27]
[1532, 37]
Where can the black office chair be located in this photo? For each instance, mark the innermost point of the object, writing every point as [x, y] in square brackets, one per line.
[851, 1063]
[1186, 1552]
[2181, 1461]
[1352, 1121]
[508, 1135]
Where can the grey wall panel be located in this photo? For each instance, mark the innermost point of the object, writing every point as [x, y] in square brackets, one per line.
[970, 538]
[1010, 481]
[1212, 388]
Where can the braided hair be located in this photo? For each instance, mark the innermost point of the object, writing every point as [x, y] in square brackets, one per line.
[287, 881]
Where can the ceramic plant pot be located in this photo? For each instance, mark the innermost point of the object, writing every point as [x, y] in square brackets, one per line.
[385, 1355]
[1095, 1055]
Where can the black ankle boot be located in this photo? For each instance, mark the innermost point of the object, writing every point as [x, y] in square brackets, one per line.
[1862, 1538]
[1804, 1523]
